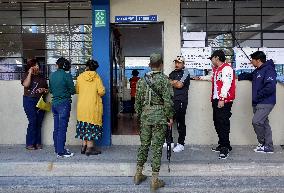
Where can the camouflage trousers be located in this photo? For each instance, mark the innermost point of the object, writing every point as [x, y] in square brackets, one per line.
[156, 134]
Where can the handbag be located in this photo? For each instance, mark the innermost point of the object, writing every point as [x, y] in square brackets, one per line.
[41, 104]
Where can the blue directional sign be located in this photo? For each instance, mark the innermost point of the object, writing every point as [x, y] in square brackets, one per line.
[147, 18]
[136, 18]
[125, 19]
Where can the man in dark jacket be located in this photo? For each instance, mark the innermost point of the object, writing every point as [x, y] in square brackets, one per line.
[180, 80]
[263, 98]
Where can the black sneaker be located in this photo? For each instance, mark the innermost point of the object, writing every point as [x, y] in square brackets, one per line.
[66, 154]
[218, 148]
[224, 153]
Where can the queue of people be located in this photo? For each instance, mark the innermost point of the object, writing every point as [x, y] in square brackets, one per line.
[90, 90]
[159, 101]
[263, 97]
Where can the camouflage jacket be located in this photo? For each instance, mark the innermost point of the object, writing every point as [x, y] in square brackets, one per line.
[150, 107]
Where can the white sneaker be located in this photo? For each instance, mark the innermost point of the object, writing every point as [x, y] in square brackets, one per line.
[259, 146]
[178, 148]
[172, 145]
[65, 154]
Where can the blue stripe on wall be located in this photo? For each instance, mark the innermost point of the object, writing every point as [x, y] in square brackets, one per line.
[101, 53]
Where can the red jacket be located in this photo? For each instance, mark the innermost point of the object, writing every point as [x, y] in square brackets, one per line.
[229, 96]
[133, 81]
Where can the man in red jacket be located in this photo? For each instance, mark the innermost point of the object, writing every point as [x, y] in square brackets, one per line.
[223, 94]
[133, 82]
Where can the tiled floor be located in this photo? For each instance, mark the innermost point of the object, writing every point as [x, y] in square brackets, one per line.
[127, 125]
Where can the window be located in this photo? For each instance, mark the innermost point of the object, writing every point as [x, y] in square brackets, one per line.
[254, 23]
[45, 31]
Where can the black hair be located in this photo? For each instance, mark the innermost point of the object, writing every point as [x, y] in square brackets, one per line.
[31, 63]
[220, 54]
[63, 64]
[135, 72]
[92, 64]
[259, 55]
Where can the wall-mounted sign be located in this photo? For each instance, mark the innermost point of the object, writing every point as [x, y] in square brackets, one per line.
[242, 62]
[100, 18]
[276, 54]
[197, 58]
[136, 18]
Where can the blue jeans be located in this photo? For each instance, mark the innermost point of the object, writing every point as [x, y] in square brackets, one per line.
[35, 118]
[61, 114]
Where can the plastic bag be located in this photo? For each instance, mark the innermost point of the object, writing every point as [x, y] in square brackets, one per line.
[41, 104]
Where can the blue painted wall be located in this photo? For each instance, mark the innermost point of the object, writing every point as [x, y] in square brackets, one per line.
[101, 53]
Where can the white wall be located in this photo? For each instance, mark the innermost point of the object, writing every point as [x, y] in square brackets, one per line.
[14, 122]
[168, 11]
[200, 128]
[199, 122]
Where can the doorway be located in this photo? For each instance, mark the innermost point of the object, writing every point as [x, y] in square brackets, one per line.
[132, 45]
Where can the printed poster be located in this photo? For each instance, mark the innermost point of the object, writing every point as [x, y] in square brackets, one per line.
[197, 58]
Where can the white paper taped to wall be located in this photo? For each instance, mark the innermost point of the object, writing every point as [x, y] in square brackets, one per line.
[276, 54]
[194, 35]
[242, 62]
[193, 39]
[197, 57]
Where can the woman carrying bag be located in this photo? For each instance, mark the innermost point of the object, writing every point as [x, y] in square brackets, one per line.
[35, 85]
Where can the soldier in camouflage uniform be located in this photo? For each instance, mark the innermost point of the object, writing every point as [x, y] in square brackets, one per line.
[154, 107]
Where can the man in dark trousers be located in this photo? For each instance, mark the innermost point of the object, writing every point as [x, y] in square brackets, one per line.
[180, 80]
[263, 98]
[223, 94]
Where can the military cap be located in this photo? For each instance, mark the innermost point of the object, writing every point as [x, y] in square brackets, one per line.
[155, 58]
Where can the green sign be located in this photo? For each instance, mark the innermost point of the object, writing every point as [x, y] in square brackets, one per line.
[100, 18]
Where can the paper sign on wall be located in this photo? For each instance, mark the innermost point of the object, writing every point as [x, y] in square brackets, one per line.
[242, 62]
[194, 39]
[276, 54]
[197, 57]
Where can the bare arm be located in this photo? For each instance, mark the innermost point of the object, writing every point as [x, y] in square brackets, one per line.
[206, 77]
[27, 81]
